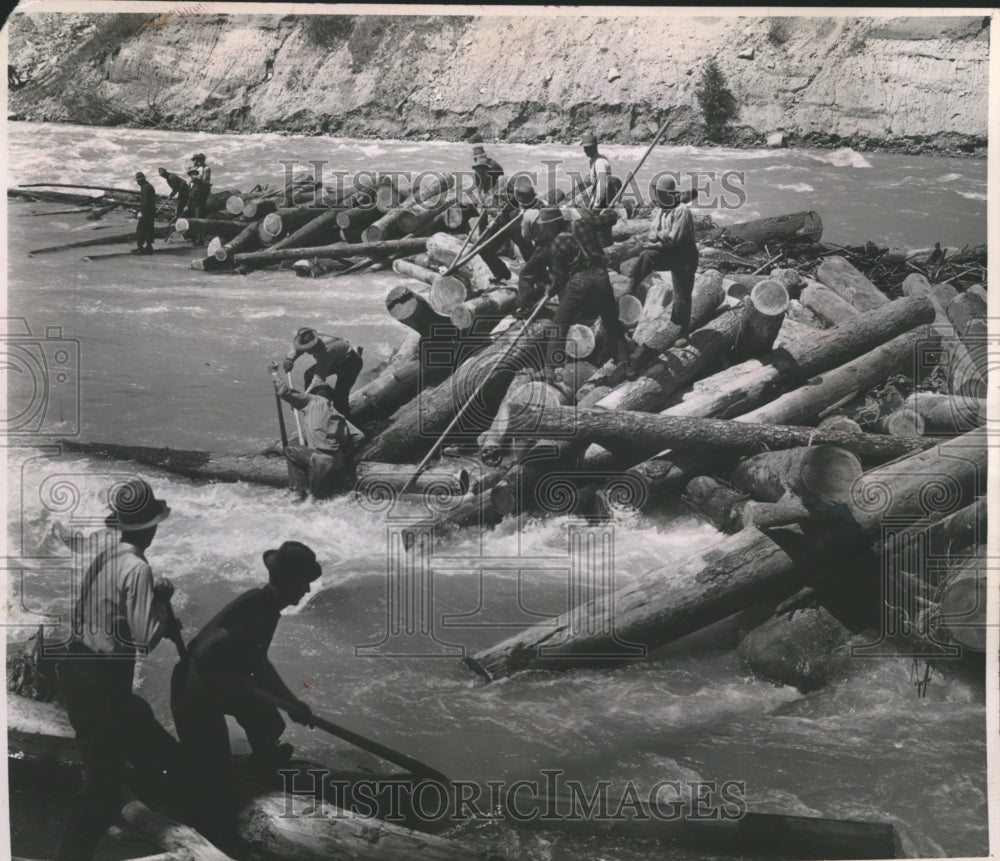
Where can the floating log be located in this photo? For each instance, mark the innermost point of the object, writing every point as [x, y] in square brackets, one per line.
[802, 405]
[443, 248]
[281, 222]
[339, 250]
[639, 433]
[965, 370]
[963, 604]
[53, 196]
[720, 504]
[659, 333]
[413, 270]
[901, 422]
[816, 475]
[158, 232]
[209, 226]
[848, 283]
[224, 255]
[432, 192]
[434, 479]
[795, 226]
[235, 203]
[415, 426]
[947, 414]
[396, 385]
[489, 306]
[687, 595]
[413, 309]
[826, 304]
[763, 313]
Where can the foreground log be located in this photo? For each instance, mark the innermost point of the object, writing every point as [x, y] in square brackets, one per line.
[637, 433]
[820, 475]
[339, 250]
[413, 270]
[447, 293]
[488, 308]
[437, 478]
[244, 240]
[826, 304]
[848, 283]
[487, 374]
[658, 332]
[947, 414]
[685, 596]
[720, 504]
[258, 208]
[967, 313]
[413, 309]
[396, 385]
[322, 226]
[763, 312]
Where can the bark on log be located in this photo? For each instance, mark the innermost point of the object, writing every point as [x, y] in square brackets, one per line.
[489, 307]
[487, 373]
[659, 333]
[339, 250]
[684, 596]
[795, 226]
[820, 475]
[720, 504]
[410, 269]
[158, 232]
[963, 605]
[619, 252]
[639, 433]
[967, 313]
[838, 422]
[826, 304]
[413, 309]
[901, 422]
[442, 248]
[947, 415]
[768, 515]
[848, 283]
[209, 226]
[763, 313]
[246, 239]
[395, 386]
[436, 478]
[965, 370]
[432, 192]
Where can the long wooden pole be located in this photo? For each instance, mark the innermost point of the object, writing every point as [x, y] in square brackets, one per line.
[642, 161]
[461, 261]
[455, 264]
[472, 397]
[298, 421]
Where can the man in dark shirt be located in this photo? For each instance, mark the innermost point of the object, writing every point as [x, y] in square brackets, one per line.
[179, 187]
[226, 663]
[335, 357]
[147, 216]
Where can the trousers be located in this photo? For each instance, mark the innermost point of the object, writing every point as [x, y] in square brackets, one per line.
[144, 231]
[113, 726]
[682, 263]
[314, 471]
[587, 294]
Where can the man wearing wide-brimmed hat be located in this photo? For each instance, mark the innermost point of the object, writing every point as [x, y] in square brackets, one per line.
[120, 613]
[201, 188]
[670, 246]
[334, 357]
[145, 229]
[603, 185]
[226, 665]
[319, 465]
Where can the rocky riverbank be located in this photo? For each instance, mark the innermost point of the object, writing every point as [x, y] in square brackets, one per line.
[908, 85]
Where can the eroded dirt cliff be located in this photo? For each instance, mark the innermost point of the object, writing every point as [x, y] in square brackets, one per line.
[899, 83]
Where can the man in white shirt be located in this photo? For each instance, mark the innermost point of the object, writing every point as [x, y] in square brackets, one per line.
[670, 246]
[121, 613]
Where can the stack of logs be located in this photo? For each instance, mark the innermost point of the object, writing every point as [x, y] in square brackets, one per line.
[804, 409]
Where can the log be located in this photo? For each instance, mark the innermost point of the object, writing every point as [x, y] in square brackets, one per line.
[393, 192]
[443, 248]
[245, 239]
[488, 372]
[212, 227]
[795, 226]
[158, 232]
[637, 433]
[413, 309]
[826, 304]
[965, 371]
[619, 252]
[629, 310]
[848, 283]
[947, 415]
[901, 422]
[395, 386]
[54, 196]
[963, 604]
[768, 515]
[660, 333]
[435, 479]
[763, 314]
[580, 341]
[717, 502]
[412, 270]
[447, 293]
[686, 595]
[820, 475]
[235, 202]
[281, 222]
[839, 422]
[432, 192]
[258, 208]
[322, 226]
[967, 313]
[416, 219]
[489, 308]
[337, 251]
[799, 313]
[181, 841]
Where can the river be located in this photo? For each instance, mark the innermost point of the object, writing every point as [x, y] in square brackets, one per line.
[158, 354]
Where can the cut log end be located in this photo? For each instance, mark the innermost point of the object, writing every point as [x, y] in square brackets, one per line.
[770, 298]
[580, 341]
[181, 225]
[629, 310]
[829, 472]
[234, 205]
[447, 292]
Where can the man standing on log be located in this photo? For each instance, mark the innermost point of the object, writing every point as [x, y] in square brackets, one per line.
[495, 196]
[318, 465]
[201, 188]
[603, 186]
[334, 357]
[121, 612]
[225, 664]
[144, 230]
[670, 246]
[179, 187]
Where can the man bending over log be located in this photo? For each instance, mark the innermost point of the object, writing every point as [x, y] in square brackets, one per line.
[144, 230]
[670, 246]
[335, 357]
[225, 664]
[318, 466]
[121, 612]
[179, 187]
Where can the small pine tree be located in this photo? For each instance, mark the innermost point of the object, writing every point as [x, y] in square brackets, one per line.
[717, 103]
